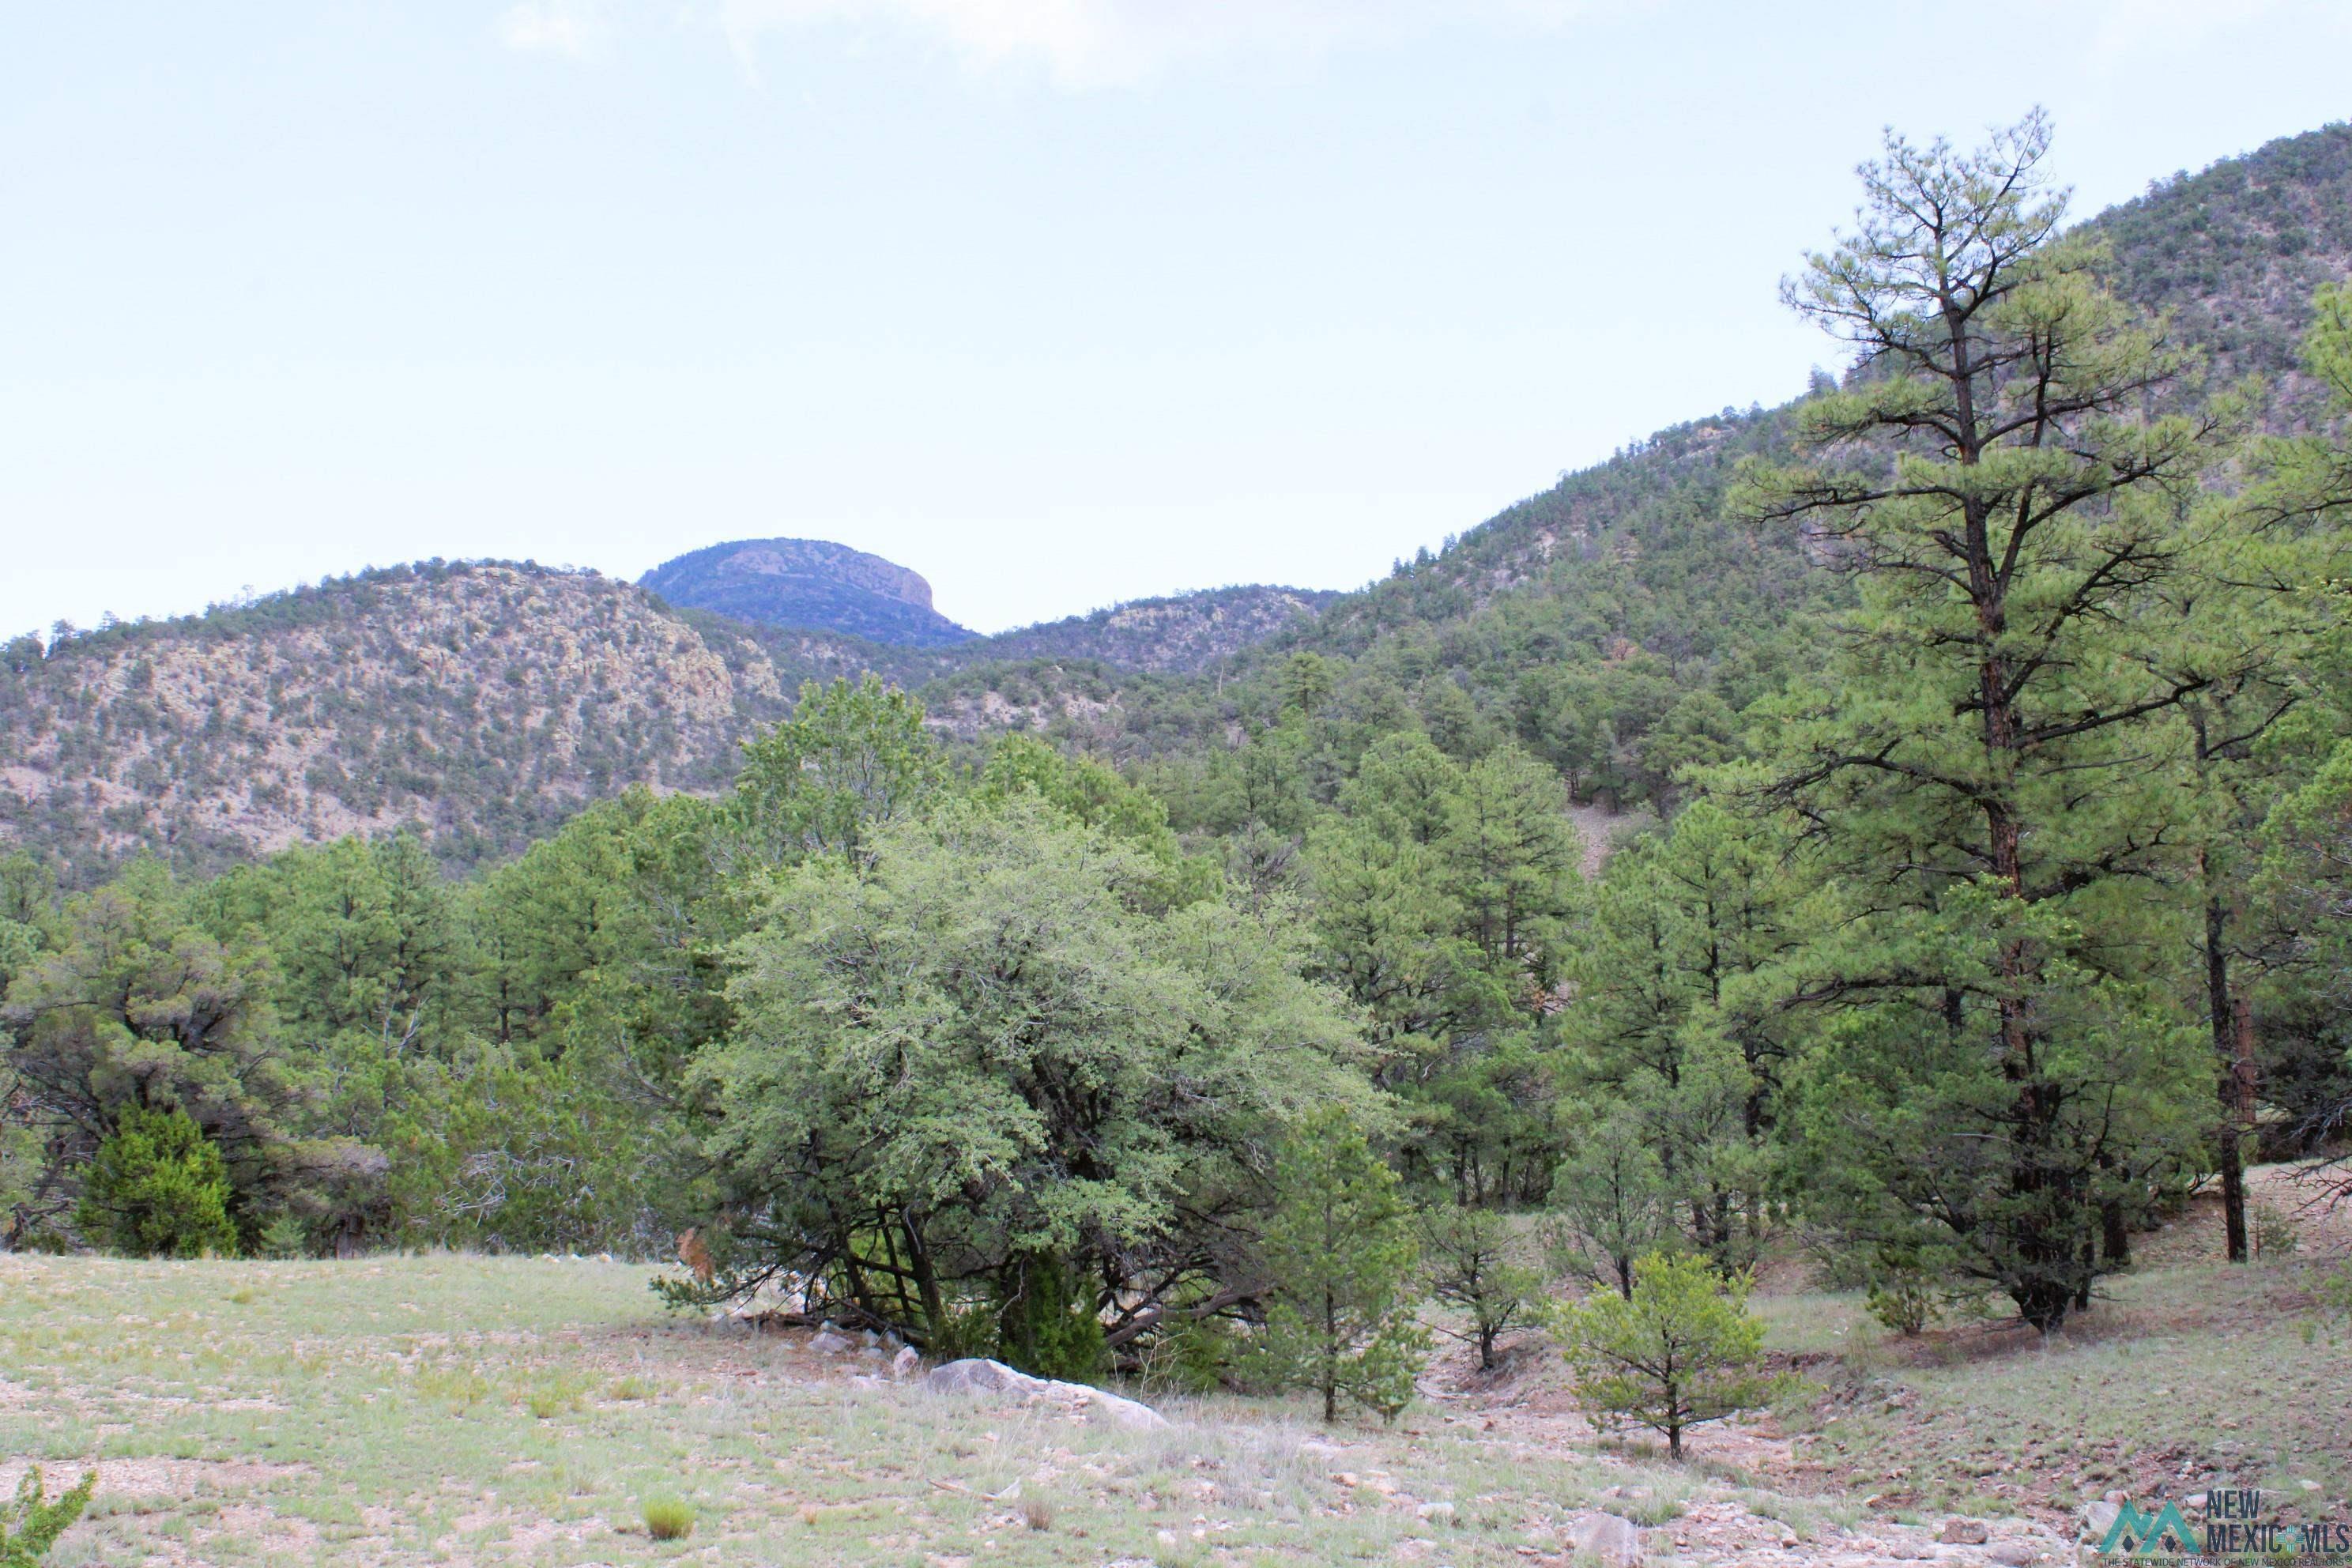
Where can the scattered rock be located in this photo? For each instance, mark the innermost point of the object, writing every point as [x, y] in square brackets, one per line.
[1125, 1412]
[1608, 1539]
[977, 1375]
[906, 1364]
[1437, 1513]
[2098, 1518]
[828, 1343]
[2014, 1553]
[1964, 1532]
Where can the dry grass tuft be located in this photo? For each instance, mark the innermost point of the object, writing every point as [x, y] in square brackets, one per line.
[666, 1519]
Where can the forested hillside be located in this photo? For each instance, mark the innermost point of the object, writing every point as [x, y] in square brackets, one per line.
[1181, 634]
[480, 703]
[1609, 622]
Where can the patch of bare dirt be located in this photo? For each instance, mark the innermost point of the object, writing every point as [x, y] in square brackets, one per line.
[156, 1477]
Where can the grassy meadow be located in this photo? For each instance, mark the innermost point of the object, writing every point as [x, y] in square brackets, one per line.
[449, 1409]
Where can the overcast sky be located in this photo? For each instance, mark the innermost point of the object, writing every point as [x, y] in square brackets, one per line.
[1058, 301]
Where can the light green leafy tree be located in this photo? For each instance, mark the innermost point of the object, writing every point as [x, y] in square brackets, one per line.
[983, 1050]
[852, 755]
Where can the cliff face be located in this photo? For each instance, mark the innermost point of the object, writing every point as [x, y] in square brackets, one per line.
[807, 585]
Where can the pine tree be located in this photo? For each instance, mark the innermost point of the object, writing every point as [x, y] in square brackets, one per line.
[158, 1188]
[1975, 770]
[1675, 1351]
[1340, 1255]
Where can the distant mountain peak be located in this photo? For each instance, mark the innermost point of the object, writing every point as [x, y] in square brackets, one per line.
[809, 584]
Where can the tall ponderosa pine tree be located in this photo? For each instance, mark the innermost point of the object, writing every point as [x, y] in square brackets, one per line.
[1978, 769]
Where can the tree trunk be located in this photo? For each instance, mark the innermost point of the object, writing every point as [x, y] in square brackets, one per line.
[1330, 1359]
[2220, 1015]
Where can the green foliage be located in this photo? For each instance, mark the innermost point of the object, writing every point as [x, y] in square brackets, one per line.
[159, 1188]
[129, 1003]
[1048, 1323]
[1096, 796]
[1477, 1266]
[1679, 1351]
[669, 1518]
[1612, 1200]
[1974, 767]
[985, 1041]
[30, 1526]
[1903, 1290]
[1972, 804]
[1681, 1022]
[1443, 895]
[1339, 1253]
[851, 756]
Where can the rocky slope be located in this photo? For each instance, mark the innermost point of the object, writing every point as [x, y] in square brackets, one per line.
[479, 703]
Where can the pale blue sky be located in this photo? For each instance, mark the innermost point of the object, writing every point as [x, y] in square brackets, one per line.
[1057, 301]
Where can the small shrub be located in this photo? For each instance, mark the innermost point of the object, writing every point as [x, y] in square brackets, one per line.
[46, 1240]
[633, 1387]
[2336, 1292]
[1037, 1513]
[667, 1519]
[1903, 1299]
[1189, 1356]
[1681, 1351]
[2275, 1233]
[963, 1332]
[159, 1188]
[29, 1527]
[286, 1238]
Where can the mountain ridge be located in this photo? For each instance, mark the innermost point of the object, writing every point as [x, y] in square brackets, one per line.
[807, 585]
[1607, 623]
